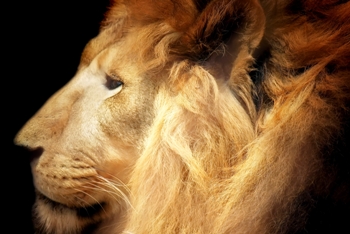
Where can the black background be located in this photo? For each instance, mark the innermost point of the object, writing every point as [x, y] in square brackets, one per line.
[42, 43]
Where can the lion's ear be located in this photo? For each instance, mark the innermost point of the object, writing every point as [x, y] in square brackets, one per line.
[224, 37]
[219, 23]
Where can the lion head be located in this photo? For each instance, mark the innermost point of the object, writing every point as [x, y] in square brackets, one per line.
[194, 117]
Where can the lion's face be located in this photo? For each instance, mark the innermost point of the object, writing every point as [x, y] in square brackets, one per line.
[86, 138]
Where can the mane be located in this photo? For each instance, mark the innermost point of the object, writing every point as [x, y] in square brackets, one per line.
[188, 153]
[240, 153]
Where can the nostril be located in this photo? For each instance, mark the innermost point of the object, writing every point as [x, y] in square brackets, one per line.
[35, 153]
[31, 153]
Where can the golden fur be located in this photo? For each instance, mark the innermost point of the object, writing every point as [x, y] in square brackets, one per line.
[227, 118]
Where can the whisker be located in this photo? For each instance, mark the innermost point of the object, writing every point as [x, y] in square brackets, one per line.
[115, 179]
[115, 194]
[108, 187]
[115, 188]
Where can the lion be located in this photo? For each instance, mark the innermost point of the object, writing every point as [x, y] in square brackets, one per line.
[211, 116]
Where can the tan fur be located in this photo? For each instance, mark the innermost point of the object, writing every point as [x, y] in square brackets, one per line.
[193, 142]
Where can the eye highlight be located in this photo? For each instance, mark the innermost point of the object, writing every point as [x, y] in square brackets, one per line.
[113, 82]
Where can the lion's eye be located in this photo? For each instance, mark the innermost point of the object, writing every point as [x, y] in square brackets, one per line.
[113, 83]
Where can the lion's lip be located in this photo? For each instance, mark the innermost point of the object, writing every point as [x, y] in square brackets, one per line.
[82, 211]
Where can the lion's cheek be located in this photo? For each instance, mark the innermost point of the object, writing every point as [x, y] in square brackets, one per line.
[65, 179]
[120, 123]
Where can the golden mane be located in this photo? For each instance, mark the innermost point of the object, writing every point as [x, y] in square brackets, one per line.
[213, 165]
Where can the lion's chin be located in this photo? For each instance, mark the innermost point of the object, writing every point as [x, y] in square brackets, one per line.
[53, 217]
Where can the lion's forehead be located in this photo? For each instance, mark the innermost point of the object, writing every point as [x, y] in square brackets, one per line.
[115, 60]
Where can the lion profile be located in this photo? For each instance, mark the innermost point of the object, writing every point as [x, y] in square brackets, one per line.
[211, 116]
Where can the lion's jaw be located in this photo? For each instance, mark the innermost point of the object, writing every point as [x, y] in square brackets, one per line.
[85, 153]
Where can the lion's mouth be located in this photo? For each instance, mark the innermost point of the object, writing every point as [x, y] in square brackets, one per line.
[81, 212]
